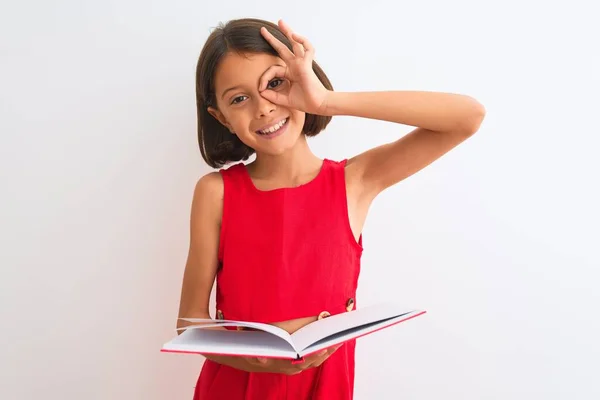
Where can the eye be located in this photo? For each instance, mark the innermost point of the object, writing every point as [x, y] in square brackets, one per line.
[237, 99]
[274, 83]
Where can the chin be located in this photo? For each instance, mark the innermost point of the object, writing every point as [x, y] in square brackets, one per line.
[276, 149]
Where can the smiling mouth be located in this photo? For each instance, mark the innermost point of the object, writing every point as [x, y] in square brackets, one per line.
[274, 129]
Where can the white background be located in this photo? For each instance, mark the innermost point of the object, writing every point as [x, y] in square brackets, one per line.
[497, 240]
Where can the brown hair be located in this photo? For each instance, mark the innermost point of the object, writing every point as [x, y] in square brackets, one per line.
[217, 145]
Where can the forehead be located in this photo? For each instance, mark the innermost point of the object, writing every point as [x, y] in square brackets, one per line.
[242, 69]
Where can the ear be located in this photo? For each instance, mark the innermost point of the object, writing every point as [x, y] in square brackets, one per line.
[218, 115]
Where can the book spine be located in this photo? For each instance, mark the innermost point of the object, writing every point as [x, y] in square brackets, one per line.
[298, 359]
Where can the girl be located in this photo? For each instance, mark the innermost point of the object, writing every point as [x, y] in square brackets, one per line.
[282, 235]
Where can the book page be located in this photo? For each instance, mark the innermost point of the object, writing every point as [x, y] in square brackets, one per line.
[318, 330]
[198, 323]
[237, 343]
[356, 332]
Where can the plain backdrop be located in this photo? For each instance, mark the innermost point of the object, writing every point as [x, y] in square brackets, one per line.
[498, 240]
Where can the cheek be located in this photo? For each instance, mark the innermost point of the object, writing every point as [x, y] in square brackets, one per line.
[299, 118]
[238, 119]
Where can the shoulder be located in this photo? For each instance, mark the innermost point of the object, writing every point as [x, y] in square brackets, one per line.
[209, 186]
[356, 187]
[349, 167]
[208, 196]
[353, 171]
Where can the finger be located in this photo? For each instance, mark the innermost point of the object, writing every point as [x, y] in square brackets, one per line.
[319, 362]
[279, 99]
[296, 46]
[322, 360]
[293, 371]
[308, 47]
[274, 71]
[274, 96]
[313, 359]
[283, 51]
[260, 361]
[328, 353]
[316, 356]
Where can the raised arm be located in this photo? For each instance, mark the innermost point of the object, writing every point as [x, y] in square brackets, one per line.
[443, 121]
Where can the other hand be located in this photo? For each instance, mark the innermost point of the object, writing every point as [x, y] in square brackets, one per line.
[274, 365]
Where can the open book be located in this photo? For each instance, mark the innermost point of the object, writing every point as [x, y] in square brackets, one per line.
[265, 340]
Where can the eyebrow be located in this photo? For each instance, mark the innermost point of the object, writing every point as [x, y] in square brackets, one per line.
[231, 88]
[240, 86]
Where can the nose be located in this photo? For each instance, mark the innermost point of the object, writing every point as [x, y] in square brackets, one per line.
[264, 107]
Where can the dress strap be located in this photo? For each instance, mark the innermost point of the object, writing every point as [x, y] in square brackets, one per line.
[339, 181]
[233, 181]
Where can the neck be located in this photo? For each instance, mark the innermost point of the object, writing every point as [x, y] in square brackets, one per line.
[296, 162]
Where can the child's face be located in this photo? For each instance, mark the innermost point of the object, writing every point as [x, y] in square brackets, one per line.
[242, 109]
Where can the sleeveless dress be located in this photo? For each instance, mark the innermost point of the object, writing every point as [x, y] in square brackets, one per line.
[285, 253]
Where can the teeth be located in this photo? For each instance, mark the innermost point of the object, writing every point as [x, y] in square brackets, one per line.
[274, 127]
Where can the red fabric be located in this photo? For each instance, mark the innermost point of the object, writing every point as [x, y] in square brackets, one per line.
[285, 253]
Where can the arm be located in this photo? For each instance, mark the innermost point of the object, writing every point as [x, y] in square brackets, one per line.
[201, 264]
[443, 121]
[202, 260]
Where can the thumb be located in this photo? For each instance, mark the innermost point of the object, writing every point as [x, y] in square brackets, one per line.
[275, 97]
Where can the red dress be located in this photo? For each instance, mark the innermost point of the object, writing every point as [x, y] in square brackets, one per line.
[285, 253]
